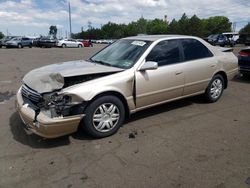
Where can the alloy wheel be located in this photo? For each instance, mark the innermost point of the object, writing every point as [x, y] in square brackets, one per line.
[106, 117]
[216, 88]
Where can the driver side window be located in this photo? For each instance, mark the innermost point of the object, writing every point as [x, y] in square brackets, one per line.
[165, 53]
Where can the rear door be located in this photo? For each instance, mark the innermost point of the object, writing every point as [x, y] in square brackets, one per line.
[199, 66]
[164, 83]
[25, 41]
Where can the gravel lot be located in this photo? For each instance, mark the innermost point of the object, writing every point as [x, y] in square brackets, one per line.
[187, 143]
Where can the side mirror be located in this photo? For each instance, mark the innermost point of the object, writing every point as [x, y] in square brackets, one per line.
[149, 65]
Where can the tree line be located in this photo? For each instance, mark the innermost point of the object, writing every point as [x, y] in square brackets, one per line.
[184, 26]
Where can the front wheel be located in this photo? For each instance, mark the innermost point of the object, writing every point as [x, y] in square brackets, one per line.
[79, 46]
[215, 89]
[104, 116]
[19, 46]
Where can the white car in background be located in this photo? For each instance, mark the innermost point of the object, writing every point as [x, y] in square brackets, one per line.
[69, 43]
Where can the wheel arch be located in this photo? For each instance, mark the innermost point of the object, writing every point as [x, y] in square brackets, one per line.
[118, 95]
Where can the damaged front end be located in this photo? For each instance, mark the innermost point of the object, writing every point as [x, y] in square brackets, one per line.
[49, 115]
[55, 104]
[52, 104]
[46, 106]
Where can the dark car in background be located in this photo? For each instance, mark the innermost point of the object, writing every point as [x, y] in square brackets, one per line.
[46, 42]
[212, 39]
[221, 40]
[244, 61]
[19, 42]
[244, 39]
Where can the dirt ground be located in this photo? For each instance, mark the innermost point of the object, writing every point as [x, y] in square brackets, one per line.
[183, 144]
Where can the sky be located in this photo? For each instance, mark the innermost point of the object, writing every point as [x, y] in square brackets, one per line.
[33, 17]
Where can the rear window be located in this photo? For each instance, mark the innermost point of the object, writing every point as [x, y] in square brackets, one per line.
[194, 49]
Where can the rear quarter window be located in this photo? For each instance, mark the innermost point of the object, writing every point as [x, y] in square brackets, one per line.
[194, 49]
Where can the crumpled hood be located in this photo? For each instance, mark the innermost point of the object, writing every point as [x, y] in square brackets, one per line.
[51, 77]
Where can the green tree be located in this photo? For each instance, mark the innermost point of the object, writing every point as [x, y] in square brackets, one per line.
[1, 35]
[217, 24]
[195, 26]
[173, 27]
[156, 26]
[142, 26]
[53, 30]
[246, 29]
[184, 25]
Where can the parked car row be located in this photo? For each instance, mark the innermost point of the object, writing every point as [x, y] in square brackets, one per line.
[228, 39]
[46, 42]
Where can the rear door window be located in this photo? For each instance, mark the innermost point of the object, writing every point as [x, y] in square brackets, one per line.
[194, 49]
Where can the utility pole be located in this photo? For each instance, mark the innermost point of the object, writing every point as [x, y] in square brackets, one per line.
[70, 28]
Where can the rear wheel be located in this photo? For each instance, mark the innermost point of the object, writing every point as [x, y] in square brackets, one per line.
[79, 46]
[215, 89]
[104, 116]
[63, 45]
[19, 46]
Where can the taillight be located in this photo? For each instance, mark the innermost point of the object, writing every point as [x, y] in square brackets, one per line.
[244, 54]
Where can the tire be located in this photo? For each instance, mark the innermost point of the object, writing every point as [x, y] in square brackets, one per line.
[215, 89]
[79, 46]
[19, 46]
[110, 114]
[30, 46]
[64, 46]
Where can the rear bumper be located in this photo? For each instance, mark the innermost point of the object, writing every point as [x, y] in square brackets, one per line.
[46, 126]
[245, 70]
[244, 65]
[232, 73]
[11, 45]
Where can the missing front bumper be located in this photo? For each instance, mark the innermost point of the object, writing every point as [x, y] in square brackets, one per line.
[45, 126]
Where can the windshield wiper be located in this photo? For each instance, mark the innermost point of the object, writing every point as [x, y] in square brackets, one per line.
[101, 62]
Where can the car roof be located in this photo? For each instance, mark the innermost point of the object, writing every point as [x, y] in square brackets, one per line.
[157, 37]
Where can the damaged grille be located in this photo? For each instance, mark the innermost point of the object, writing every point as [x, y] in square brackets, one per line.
[31, 94]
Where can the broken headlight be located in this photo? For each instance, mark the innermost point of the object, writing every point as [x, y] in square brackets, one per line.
[62, 105]
[60, 99]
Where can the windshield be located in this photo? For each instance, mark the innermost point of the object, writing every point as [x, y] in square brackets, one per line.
[122, 54]
[15, 38]
[215, 36]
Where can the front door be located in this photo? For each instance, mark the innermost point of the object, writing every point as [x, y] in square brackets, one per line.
[164, 83]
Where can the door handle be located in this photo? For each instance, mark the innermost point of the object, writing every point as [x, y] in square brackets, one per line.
[178, 72]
